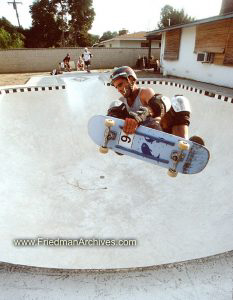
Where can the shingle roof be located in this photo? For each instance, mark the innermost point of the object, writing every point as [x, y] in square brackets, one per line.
[129, 37]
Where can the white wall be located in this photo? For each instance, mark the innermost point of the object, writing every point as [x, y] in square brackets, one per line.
[128, 44]
[137, 44]
[113, 44]
[187, 66]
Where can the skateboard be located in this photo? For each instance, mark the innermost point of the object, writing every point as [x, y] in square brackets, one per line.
[174, 153]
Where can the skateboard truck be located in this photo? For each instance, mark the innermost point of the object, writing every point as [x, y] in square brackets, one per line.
[178, 156]
[108, 135]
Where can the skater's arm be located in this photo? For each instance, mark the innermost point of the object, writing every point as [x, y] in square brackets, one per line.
[146, 95]
[180, 130]
[157, 103]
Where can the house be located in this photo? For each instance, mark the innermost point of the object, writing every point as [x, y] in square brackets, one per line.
[201, 50]
[129, 40]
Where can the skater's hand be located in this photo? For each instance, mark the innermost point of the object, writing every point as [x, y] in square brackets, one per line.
[142, 114]
[130, 126]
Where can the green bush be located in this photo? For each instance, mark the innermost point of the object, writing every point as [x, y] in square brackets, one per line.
[9, 40]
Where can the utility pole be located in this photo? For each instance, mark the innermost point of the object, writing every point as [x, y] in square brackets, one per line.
[15, 7]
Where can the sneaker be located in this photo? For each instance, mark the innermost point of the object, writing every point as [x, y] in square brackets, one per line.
[197, 139]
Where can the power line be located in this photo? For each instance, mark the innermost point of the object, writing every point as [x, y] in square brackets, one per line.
[15, 8]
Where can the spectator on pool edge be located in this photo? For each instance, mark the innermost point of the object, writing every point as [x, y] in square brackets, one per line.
[66, 61]
[80, 64]
[87, 58]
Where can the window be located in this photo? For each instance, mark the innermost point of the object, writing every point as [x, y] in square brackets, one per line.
[212, 37]
[228, 58]
[216, 38]
[205, 57]
[172, 44]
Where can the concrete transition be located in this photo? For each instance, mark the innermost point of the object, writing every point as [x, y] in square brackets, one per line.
[57, 190]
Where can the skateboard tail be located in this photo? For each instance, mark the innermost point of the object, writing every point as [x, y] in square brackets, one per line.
[198, 156]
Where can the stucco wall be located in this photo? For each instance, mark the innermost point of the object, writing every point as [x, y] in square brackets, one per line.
[187, 65]
[137, 44]
[128, 43]
[112, 44]
[39, 60]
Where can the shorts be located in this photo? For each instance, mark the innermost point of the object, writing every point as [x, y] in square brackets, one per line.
[87, 63]
[172, 118]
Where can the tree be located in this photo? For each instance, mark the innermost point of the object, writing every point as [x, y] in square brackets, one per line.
[10, 41]
[226, 7]
[108, 35]
[93, 39]
[9, 35]
[60, 23]
[82, 16]
[123, 31]
[62, 18]
[6, 25]
[45, 30]
[170, 16]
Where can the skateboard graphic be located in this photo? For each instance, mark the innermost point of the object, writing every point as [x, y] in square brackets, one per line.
[176, 154]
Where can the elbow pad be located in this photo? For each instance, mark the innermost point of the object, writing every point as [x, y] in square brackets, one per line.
[159, 105]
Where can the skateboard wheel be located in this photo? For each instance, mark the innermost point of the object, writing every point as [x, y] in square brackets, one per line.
[183, 145]
[172, 173]
[103, 150]
[109, 122]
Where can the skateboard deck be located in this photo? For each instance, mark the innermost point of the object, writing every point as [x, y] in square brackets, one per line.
[176, 154]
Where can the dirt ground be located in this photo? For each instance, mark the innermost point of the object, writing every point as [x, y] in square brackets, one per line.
[22, 78]
[17, 78]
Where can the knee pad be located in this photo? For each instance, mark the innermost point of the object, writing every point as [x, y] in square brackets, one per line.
[180, 110]
[118, 109]
[180, 104]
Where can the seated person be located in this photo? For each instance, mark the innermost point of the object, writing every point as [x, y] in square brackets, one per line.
[55, 72]
[61, 66]
[66, 62]
[80, 64]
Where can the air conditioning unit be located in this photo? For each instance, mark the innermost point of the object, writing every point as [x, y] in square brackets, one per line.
[205, 57]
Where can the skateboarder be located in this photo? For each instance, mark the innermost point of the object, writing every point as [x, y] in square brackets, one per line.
[141, 106]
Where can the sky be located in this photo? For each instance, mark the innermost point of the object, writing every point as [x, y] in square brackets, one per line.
[114, 15]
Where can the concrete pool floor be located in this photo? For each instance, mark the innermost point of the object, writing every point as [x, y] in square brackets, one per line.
[56, 184]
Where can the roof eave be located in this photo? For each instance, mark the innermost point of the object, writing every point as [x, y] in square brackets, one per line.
[139, 39]
[197, 22]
